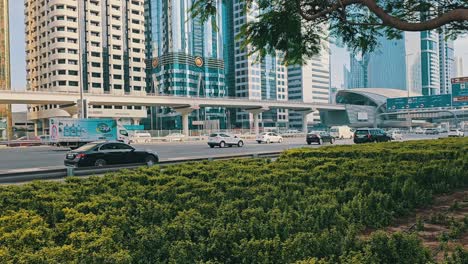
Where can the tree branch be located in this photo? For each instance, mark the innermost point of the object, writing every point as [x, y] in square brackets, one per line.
[456, 15]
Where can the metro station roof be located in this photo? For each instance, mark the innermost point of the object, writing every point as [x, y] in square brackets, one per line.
[369, 96]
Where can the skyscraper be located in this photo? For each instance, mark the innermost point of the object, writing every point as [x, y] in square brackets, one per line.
[309, 83]
[396, 64]
[258, 79]
[430, 63]
[5, 81]
[458, 68]
[96, 46]
[447, 60]
[186, 57]
[356, 76]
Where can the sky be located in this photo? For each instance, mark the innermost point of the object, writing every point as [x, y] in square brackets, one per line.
[339, 58]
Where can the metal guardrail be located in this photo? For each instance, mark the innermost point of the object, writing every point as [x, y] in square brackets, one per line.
[50, 174]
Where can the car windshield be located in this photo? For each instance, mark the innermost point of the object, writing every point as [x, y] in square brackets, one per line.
[362, 132]
[87, 147]
[334, 130]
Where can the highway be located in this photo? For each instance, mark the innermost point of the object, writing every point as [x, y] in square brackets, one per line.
[30, 158]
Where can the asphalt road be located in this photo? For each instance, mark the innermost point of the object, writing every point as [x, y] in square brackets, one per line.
[31, 158]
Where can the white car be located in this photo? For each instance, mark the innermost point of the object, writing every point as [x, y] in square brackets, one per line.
[223, 139]
[174, 137]
[269, 137]
[419, 130]
[140, 137]
[456, 133]
[395, 134]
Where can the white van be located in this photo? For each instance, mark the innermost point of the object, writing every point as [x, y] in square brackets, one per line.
[341, 132]
[140, 137]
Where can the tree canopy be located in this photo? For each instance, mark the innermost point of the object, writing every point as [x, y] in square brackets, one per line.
[299, 28]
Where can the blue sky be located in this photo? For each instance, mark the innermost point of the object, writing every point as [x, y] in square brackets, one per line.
[18, 65]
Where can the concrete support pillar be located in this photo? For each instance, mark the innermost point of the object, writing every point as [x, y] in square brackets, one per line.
[305, 122]
[185, 112]
[35, 127]
[255, 112]
[185, 124]
[256, 123]
[9, 122]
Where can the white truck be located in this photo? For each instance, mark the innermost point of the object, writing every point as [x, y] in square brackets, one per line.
[74, 133]
[341, 132]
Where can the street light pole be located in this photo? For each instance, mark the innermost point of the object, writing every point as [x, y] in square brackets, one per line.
[408, 87]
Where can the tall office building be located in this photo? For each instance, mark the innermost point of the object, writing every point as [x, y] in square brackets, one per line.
[185, 57]
[394, 64]
[309, 83]
[430, 63]
[458, 67]
[96, 46]
[356, 76]
[5, 78]
[447, 60]
[257, 79]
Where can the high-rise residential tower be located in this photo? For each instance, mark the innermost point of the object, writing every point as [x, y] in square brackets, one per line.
[309, 83]
[5, 78]
[257, 79]
[430, 63]
[96, 46]
[185, 58]
[447, 60]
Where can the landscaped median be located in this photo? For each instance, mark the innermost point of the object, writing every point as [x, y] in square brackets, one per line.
[308, 206]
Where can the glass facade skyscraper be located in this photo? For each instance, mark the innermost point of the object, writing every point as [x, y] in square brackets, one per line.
[430, 64]
[447, 63]
[356, 76]
[396, 64]
[257, 79]
[185, 57]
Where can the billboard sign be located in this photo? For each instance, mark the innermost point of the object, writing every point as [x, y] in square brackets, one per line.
[69, 129]
[419, 102]
[460, 91]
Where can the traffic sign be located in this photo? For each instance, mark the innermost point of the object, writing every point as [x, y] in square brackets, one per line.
[419, 102]
[460, 91]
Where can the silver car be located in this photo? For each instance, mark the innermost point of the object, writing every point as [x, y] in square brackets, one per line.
[224, 140]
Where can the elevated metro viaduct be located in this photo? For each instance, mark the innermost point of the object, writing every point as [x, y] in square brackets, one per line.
[183, 105]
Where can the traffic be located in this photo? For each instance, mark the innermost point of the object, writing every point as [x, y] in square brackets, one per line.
[100, 143]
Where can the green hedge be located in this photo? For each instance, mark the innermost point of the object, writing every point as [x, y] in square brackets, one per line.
[310, 204]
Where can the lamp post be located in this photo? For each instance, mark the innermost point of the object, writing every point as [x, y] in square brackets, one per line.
[408, 87]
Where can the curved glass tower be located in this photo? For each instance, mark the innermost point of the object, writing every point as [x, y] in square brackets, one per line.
[185, 58]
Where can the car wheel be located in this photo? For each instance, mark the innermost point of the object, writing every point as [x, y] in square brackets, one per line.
[150, 161]
[320, 142]
[280, 140]
[240, 144]
[100, 163]
[211, 146]
[332, 140]
[259, 142]
[308, 142]
[222, 144]
[268, 141]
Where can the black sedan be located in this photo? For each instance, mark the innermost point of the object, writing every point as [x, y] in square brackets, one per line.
[319, 137]
[108, 153]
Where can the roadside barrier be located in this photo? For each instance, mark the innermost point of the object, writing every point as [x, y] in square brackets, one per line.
[50, 174]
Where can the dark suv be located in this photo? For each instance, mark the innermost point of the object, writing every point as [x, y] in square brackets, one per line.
[365, 135]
